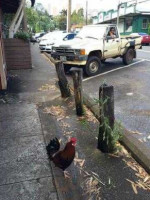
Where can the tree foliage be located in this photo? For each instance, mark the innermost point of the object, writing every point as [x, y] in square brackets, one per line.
[77, 17]
[38, 19]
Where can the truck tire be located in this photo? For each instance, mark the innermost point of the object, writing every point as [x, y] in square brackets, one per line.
[93, 66]
[128, 56]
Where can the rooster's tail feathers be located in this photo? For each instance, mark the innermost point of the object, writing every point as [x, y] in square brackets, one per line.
[53, 147]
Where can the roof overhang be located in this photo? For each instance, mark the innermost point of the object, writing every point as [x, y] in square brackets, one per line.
[11, 6]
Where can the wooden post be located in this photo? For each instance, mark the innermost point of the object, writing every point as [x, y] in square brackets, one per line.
[62, 80]
[106, 102]
[77, 80]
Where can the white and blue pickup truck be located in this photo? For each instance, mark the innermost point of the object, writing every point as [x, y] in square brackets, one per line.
[93, 45]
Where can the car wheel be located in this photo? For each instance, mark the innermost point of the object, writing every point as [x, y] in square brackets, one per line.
[128, 56]
[93, 66]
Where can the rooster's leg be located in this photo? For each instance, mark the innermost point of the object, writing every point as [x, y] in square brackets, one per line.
[67, 174]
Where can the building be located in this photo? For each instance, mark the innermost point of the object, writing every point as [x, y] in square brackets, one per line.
[15, 7]
[131, 18]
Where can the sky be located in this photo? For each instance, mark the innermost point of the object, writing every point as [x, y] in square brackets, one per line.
[93, 5]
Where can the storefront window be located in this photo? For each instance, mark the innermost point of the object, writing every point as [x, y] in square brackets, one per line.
[145, 24]
[128, 25]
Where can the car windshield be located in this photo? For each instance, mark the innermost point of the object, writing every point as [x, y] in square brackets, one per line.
[95, 32]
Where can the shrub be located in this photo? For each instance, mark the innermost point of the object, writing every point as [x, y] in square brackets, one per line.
[23, 35]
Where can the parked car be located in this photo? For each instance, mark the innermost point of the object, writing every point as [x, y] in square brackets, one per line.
[55, 38]
[65, 37]
[36, 36]
[145, 37]
[49, 35]
[45, 37]
[93, 44]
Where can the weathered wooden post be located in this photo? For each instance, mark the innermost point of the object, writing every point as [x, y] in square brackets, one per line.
[77, 80]
[62, 80]
[106, 103]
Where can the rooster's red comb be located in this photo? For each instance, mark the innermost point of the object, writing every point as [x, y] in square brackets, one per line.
[73, 139]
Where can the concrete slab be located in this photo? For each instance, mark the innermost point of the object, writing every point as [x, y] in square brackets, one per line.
[19, 110]
[23, 126]
[24, 168]
[39, 189]
[19, 148]
[25, 171]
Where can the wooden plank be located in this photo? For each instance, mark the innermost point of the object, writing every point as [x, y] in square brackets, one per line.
[18, 54]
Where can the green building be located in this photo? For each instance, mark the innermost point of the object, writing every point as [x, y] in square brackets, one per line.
[132, 19]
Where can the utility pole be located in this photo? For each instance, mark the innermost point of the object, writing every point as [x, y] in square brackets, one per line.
[24, 20]
[118, 9]
[69, 16]
[86, 12]
[120, 4]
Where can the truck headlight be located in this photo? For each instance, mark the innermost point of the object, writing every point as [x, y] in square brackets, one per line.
[82, 51]
[79, 51]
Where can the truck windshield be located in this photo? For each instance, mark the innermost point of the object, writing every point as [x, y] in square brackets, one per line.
[92, 32]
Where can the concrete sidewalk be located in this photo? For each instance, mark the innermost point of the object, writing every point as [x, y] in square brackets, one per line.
[25, 171]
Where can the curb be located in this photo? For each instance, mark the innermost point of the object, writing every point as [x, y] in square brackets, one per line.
[139, 151]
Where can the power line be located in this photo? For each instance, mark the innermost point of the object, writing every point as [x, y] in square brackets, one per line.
[143, 1]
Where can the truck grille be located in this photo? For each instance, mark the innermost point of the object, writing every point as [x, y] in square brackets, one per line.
[62, 51]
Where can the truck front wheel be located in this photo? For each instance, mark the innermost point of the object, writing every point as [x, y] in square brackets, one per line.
[93, 66]
[128, 56]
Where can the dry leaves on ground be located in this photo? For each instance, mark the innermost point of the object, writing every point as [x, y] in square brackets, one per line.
[47, 87]
[92, 184]
[91, 188]
[88, 116]
[136, 132]
[57, 111]
[143, 181]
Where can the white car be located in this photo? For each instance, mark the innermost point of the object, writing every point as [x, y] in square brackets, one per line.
[57, 41]
[49, 37]
[55, 38]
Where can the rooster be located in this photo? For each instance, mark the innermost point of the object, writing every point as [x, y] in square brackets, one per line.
[63, 158]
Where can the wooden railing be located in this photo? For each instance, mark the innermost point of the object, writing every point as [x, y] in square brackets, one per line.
[15, 24]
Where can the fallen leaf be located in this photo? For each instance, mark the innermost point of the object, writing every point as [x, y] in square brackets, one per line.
[134, 188]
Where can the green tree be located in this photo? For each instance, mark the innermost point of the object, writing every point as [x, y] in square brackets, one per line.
[38, 19]
[63, 12]
[78, 17]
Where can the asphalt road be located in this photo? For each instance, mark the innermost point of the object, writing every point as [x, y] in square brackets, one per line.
[131, 85]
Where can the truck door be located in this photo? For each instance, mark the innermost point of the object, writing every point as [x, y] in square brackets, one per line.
[112, 43]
